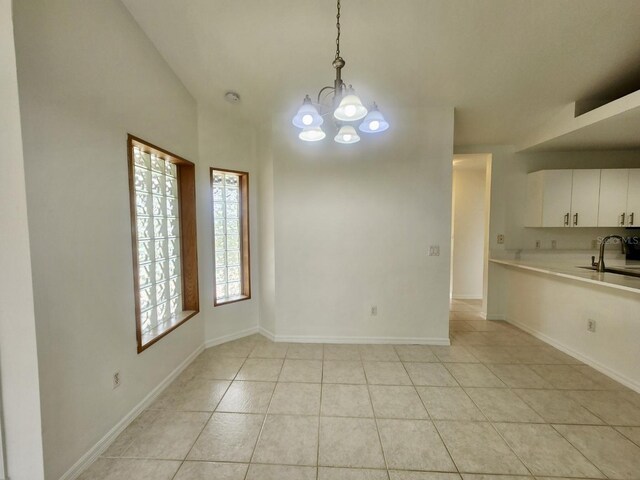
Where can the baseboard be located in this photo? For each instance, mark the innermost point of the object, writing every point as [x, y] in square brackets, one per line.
[623, 379]
[466, 297]
[233, 336]
[95, 451]
[267, 333]
[354, 340]
[495, 316]
[359, 340]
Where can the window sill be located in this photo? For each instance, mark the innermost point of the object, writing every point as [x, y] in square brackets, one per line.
[150, 338]
[227, 301]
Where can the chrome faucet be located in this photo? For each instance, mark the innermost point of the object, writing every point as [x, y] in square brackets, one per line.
[600, 263]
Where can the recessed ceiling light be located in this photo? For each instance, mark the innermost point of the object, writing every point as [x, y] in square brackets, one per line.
[232, 97]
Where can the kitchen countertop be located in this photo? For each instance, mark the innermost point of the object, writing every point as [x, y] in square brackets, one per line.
[574, 272]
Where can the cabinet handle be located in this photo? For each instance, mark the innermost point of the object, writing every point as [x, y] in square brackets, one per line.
[622, 217]
[575, 219]
[631, 218]
[566, 220]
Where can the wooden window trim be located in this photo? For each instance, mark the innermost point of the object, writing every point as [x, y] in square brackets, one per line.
[245, 238]
[188, 238]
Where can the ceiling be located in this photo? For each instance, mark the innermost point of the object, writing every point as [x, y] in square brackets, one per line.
[507, 66]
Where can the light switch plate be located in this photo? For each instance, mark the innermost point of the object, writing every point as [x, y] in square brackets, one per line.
[434, 251]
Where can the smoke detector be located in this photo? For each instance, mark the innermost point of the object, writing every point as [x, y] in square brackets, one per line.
[232, 97]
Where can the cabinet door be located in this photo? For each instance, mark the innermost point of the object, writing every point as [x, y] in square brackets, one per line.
[633, 198]
[612, 211]
[556, 201]
[584, 198]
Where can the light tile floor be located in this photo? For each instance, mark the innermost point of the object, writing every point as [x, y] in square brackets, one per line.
[497, 404]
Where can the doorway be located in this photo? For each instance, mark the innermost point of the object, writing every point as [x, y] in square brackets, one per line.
[470, 230]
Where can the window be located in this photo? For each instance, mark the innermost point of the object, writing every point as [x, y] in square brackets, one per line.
[165, 268]
[231, 235]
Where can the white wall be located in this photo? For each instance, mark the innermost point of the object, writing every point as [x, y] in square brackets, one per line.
[557, 309]
[266, 238]
[19, 387]
[227, 144]
[468, 232]
[87, 76]
[353, 226]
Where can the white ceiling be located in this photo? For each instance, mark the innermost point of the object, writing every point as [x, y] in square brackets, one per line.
[507, 66]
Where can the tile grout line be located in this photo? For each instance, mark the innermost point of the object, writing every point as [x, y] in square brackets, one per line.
[496, 430]
[479, 407]
[635, 442]
[578, 450]
[264, 420]
[562, 393]
[455, 465]
[319, 416]
[210, 416]
[491, 422]
[510, 422]
[510, 447]
[586, 407]
[375, 420]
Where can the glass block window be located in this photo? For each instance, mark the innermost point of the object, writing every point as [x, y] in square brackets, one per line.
[158, 264]
[231, 235]
[158, 231]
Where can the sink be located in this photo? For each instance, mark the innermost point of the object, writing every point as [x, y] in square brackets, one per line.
[631, 271]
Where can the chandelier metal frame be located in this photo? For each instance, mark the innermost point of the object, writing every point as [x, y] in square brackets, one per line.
[346, 107]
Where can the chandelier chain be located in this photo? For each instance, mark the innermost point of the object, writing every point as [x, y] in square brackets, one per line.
[338, 27]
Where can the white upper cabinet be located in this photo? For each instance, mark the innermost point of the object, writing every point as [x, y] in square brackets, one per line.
[619, 197]
[571, 198]
[584, 198]
[556, 198]
[633, 198]
[535, 194]
[549, 198]
[614, 185]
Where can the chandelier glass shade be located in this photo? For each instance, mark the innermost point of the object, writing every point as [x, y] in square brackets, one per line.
[311, 134]
[307, 115]
[346, 109]
[347, 134]
[350, 109]
[374, 122]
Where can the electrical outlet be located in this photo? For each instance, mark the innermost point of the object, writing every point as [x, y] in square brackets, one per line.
[434, 251]
[554, 244]
[594, 244]
[116, 380]
[591, 325]
[500, 238]
[374, 310]
[538, 244]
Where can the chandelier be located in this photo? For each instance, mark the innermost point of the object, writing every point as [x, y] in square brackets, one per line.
[346, 108]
